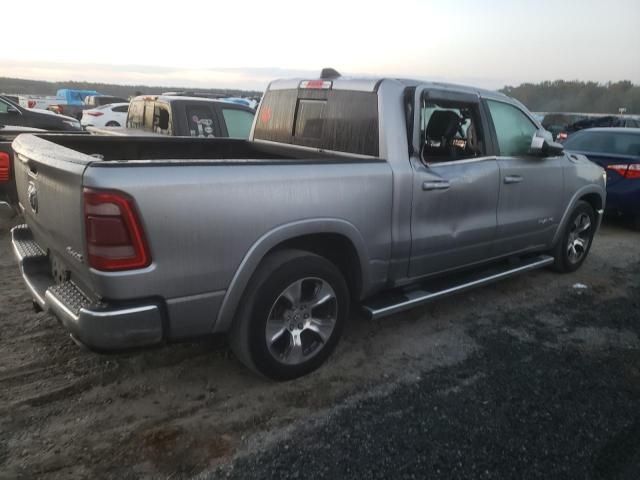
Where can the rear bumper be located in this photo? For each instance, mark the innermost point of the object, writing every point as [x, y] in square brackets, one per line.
[98, 325]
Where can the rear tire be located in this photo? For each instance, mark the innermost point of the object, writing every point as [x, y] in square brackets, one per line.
[577, 237]
[292, 315]
[112, 124]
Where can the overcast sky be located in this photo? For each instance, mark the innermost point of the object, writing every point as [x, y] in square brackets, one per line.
[245, 43]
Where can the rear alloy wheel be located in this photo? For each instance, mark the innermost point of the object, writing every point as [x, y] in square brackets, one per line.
[573, 247]
[112, 124]
[292, 316]
[301, 320]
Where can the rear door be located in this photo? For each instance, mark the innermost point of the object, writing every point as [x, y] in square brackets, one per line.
[531, 187]
[455, 186]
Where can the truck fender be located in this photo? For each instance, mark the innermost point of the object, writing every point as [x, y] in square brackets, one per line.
[585, 190]
[272, 239]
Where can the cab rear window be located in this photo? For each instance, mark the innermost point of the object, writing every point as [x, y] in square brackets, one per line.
[337, 120]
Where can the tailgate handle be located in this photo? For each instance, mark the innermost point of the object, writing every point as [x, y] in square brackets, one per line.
[33, 170]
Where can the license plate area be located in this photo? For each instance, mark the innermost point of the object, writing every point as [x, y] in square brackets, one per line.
[59, 272]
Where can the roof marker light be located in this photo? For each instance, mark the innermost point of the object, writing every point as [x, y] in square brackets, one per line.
[316, 84]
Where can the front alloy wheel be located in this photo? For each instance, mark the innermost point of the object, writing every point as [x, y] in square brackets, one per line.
[579, 238]
[576, 239]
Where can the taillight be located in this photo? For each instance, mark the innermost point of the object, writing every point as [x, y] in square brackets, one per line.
[562, 136]
[634, 171]
[94, 114]
[5, 167]
[31, 103]
[115, 237]
[626, 170]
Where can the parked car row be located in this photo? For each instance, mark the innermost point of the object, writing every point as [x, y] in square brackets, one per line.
[618, 151]
[562, 125]
[73, 102]
[373, 192]
[181, 116]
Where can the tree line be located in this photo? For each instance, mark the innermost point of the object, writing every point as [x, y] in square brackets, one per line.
[39, 87]
[577, 96]
[548, 96]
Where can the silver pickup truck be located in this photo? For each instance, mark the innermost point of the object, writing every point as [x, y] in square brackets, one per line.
[383, 193]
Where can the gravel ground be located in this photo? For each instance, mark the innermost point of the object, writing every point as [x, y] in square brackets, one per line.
[531, 378]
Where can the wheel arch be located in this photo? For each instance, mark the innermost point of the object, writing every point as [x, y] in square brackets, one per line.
[335, 239]
[593, 195]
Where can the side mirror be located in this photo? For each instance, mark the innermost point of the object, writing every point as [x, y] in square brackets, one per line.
[13, 110]
[542, 144]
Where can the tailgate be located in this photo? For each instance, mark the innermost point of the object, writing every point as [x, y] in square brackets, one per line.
[49, 185]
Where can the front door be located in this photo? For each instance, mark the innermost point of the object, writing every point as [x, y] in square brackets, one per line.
[455, 187]
[531, 187]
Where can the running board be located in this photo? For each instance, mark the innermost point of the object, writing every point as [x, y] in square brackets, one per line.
[394, 302]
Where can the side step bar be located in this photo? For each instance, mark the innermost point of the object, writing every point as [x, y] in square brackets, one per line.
[390, 303]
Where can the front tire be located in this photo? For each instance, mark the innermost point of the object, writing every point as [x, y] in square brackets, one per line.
[576, 239]
[292, 315]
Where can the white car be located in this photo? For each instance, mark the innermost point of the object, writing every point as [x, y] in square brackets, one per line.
[111, 115]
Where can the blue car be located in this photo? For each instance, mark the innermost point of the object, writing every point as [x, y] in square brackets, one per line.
[618, 151]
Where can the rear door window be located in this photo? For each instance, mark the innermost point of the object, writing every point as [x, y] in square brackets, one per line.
[201, 121]
[238, 122]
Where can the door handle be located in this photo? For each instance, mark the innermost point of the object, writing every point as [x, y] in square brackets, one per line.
[512, 179]
[438, 185]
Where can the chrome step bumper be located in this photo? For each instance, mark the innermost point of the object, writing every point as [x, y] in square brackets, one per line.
[97, 325]
[394, 302]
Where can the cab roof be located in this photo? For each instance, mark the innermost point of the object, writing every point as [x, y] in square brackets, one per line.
[371, 84]
[180, 98]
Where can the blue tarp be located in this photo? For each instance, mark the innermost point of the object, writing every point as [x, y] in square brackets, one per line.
[74, 97]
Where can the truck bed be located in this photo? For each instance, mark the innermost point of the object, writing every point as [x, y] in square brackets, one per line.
[206, 206]
[146, 148]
